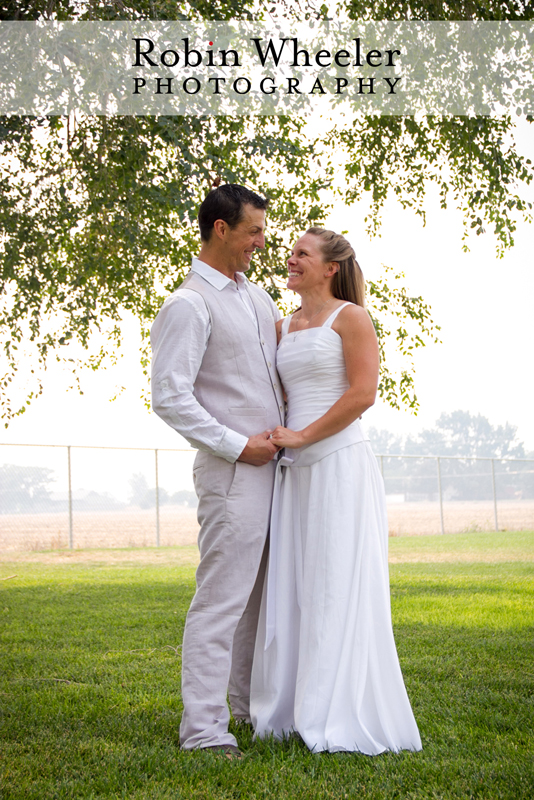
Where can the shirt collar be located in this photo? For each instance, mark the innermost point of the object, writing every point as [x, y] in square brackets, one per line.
[213, 276]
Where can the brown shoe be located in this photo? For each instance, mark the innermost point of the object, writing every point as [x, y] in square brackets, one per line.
[229, 751]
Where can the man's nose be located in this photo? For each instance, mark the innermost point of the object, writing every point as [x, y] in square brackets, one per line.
[259, 241]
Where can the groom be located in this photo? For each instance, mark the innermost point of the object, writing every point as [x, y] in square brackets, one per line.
[214, 381]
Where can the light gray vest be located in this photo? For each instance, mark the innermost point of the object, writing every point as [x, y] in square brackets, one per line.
[237, 382]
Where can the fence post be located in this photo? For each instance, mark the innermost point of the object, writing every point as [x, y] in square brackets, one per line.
[157, 498]
[440, 496]
[69, 472]
[494, 494]
[382, 466]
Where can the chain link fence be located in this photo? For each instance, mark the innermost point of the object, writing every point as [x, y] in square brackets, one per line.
[453, 494]
[55, 497]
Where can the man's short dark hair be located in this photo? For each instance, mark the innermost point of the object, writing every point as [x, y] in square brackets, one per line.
[226, 202]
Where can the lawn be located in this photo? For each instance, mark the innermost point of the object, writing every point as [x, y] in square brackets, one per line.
[90, 663]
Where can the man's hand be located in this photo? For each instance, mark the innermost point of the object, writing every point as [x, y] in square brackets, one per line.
[259, 450]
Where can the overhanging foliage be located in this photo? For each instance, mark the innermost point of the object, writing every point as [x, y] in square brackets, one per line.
[97, 217]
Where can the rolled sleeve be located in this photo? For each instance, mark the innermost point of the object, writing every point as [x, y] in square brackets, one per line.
[178, 337]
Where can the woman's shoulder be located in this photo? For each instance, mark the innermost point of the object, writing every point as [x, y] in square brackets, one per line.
[346, 310]
[352, 318]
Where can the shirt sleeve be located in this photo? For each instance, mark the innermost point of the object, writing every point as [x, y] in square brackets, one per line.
[178, 338]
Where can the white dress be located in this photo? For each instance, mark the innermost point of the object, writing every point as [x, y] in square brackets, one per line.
[325, 663]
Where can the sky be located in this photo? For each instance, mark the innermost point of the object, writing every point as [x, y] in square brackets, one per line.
[483, 365]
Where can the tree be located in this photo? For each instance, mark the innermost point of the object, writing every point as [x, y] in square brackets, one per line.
[184, 498]
[97, 217]
[384, 441]
[461, 433]
[142, 495]
[470, 436]
[24, 489]
[458, 438]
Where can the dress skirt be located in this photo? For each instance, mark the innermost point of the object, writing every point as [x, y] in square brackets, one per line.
[325, 663]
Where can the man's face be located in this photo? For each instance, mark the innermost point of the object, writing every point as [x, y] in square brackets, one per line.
[240, 242]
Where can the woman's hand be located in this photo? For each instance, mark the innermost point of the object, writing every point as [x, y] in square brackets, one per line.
[283, 437]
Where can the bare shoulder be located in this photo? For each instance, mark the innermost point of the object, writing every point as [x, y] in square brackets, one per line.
[353, 320]
[279, 329]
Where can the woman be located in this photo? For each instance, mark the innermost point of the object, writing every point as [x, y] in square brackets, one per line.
[325, 664]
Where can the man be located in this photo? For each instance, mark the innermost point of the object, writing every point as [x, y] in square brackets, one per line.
[214, 381]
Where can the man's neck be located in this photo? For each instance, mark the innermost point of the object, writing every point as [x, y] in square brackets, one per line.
[214, 259]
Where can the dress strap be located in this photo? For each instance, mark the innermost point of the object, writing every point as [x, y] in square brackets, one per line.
[285, 324]
[333, 315]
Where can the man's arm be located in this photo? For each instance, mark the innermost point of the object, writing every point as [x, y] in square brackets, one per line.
[178, 338]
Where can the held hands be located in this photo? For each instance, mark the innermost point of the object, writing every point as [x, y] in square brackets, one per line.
[259, 450]
[284, 437]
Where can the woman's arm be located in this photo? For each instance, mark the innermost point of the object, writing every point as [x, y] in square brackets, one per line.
[360, 349]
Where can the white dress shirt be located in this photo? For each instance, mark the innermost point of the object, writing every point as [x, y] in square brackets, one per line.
[179, 337]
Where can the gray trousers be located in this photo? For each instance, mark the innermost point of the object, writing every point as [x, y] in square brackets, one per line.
[220, 630]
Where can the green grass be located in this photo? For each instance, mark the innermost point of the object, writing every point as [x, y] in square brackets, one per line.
[90, 702]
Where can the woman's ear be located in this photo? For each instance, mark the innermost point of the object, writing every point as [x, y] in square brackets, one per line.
[332, 268]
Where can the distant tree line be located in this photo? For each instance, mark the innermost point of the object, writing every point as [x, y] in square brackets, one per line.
[23, 489]
[26, 490]
[458, 438]
[145, 497]
[464, 436]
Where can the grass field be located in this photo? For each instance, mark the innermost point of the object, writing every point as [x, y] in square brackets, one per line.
[89, 691]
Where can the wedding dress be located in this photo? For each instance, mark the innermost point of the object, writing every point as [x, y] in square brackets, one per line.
[325, 663]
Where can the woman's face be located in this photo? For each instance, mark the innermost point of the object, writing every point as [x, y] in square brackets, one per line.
[306, 267]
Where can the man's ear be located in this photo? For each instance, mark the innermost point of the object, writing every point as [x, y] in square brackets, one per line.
[220, 227]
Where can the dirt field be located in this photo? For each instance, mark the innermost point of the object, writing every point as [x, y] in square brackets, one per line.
[416, 519]
[130, 528]
[178, 525]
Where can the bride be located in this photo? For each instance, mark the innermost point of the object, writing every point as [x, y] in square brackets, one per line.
[325, 664]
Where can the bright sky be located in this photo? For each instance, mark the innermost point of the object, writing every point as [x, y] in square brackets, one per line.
[484, 365]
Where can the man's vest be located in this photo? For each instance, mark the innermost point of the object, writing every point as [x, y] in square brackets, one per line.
[237, 382]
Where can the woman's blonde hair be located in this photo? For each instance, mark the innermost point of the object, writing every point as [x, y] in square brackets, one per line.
[348, 283]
